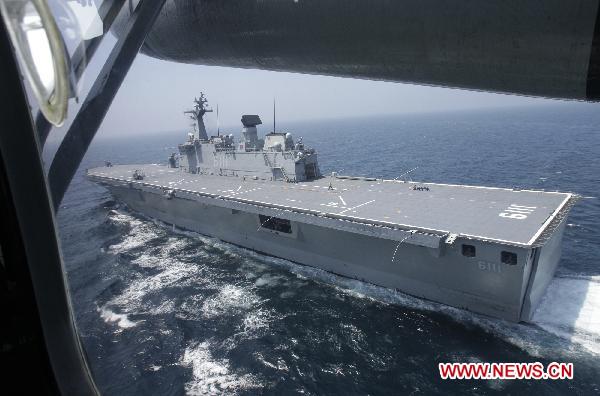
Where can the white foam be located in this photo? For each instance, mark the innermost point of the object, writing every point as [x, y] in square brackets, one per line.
[229, 300]
[212, 376]
[571, 309]
[280, 365]
[164, 307]
[138, 235]
[258, 320]
[177, 274]
[120, 320]
[191, 308]
[269, 280]
[224, 247]
[164, 259]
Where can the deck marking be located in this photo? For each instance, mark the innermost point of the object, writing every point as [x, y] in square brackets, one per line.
[399, 243]
[357, 206]
[342, 199]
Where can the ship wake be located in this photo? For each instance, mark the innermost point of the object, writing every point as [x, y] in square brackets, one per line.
[570, 309]
[567, 320]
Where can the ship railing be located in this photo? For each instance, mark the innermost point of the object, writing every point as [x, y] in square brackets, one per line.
[224, 149]
[267, 160]
[270, 164]
[284, 173]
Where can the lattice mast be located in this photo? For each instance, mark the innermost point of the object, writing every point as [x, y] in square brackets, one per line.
[197, 114]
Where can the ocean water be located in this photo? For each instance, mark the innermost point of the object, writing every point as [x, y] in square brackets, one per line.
[165, 311]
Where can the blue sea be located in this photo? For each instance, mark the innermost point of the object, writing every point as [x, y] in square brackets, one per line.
[165, 311]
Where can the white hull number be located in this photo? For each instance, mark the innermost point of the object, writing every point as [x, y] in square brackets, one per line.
[518, 212]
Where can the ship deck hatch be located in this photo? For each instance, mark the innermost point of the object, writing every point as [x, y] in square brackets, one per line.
[310, 171]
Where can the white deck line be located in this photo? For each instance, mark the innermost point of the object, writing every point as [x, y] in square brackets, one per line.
[549, 220]
[487, 239]
[470, 186]
[357, 206]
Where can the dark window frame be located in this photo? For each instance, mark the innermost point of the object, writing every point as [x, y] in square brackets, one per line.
[275, 224]
[509, 258]
[468, 250]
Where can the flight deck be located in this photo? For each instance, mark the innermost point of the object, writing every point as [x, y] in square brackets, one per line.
[508, 216]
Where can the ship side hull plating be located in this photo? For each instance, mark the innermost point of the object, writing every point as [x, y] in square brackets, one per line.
[443, 274]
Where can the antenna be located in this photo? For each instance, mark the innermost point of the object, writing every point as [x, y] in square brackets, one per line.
[218, 130]
[273, 114]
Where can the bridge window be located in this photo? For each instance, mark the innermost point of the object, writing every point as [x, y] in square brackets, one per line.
[508, 258]
[275, 224]
[468, 250]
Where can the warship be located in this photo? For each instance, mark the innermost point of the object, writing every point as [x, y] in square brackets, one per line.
[488, 250]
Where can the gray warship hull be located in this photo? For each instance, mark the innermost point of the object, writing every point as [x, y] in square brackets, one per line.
[488, 250]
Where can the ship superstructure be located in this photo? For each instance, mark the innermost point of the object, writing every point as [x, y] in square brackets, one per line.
[488, 250]
[276, 157]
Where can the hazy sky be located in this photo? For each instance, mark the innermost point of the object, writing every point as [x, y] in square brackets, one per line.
[155, 94]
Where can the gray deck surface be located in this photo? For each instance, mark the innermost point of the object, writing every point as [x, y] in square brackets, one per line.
[465, 210]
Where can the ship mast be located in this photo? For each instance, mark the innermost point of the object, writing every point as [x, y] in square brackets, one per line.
[197, 114]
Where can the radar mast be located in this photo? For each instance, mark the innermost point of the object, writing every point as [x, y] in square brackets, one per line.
[197, 114]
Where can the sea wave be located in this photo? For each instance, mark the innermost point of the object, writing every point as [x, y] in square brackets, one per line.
[567, 319]
[121, 320]
[211, 375]
[231, 299]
